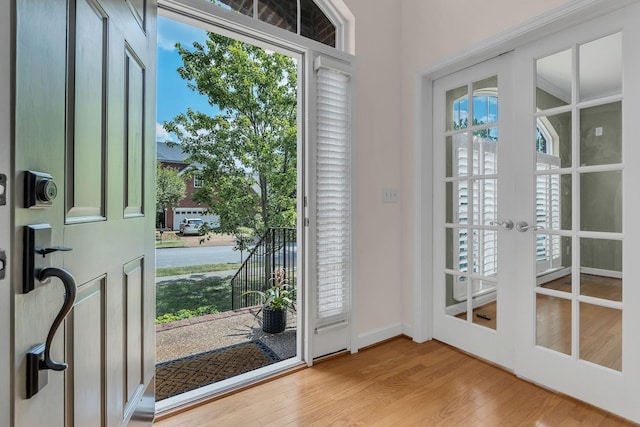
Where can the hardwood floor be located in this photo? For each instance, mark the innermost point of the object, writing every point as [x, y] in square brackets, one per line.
[397, 383]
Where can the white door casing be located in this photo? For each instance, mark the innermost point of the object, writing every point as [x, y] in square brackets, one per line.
[85, 113]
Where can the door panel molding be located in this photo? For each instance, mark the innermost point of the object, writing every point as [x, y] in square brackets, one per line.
[86, 112]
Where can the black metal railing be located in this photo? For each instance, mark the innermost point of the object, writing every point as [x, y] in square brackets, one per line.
[276, 249]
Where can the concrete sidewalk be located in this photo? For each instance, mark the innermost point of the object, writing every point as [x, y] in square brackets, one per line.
[182, 338]
[194, 276]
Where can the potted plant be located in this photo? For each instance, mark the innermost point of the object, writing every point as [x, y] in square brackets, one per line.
[276, 300]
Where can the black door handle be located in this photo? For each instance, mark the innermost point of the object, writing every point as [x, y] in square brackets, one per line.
[39, 357]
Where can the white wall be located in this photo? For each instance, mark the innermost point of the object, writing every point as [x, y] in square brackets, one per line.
[393, 42]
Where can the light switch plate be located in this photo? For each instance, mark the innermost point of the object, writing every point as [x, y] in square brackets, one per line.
[389, 195]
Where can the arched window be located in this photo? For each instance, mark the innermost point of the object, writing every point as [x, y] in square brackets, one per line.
[302, 17]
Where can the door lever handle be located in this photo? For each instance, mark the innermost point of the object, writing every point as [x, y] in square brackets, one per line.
[46, 251]
[522, 227]
[507, 224]
[39, 357]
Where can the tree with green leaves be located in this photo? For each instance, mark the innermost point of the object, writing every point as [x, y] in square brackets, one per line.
[170, 187]
[246, 155]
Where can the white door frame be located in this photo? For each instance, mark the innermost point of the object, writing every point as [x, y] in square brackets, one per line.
[572, 13]
[6, 296]
[246, 29]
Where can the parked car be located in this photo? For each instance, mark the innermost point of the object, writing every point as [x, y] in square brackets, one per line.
[190, 226]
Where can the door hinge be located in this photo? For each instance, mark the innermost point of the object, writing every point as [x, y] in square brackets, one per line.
[306, 201]
[306, 222]
[3, 263]
[3, 189]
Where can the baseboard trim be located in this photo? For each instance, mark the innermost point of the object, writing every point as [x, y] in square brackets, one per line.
[373, 337]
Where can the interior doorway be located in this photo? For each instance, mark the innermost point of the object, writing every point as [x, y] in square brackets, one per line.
[234, 234]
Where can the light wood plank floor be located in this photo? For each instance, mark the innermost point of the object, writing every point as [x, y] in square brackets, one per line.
[397, 383]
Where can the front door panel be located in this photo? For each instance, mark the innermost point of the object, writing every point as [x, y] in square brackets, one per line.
[85, 108]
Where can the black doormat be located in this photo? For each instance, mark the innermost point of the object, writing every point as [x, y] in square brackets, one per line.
[192, 372]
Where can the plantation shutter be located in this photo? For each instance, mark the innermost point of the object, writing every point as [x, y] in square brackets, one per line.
[547, 213]
[333, 197]
[483, 196]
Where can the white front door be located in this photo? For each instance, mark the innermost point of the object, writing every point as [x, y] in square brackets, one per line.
[84, 117]
[541, 221]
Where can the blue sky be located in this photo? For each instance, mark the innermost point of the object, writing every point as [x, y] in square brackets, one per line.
[173, 95]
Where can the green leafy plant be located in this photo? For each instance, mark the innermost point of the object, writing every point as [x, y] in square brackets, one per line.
[281, 295]
[186, 314]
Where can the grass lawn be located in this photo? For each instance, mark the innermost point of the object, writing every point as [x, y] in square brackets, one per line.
[205, 268]
[193, 294]
[171, 244]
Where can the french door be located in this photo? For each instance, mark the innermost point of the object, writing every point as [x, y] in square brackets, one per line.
[472, 296]
[534, 211]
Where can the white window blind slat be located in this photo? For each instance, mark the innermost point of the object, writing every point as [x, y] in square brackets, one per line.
[333, 203]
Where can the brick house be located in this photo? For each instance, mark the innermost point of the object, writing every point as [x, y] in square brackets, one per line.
[174, 157]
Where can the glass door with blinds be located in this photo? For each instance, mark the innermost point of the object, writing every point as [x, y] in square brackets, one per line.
[470, 209]
[330, 208]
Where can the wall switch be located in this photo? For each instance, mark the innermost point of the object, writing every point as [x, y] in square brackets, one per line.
[389, 195]
[599, 131]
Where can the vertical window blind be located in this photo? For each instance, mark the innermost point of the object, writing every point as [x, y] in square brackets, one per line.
[333, 199]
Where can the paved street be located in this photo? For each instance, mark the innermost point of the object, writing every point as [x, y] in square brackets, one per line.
[179, 257]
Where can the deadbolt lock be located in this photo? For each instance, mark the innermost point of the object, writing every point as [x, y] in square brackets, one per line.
[40, 190]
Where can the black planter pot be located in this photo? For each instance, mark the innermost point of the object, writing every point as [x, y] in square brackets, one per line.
[274, 320]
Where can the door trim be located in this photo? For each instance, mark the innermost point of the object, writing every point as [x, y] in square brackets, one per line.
[6, 168]
[570, 14]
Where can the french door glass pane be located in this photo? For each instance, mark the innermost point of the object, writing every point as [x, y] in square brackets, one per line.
[485, 101]
[456, 247]
[601, 201]
[601, 268]
[485, 151]
[456, 294]
[601, 335]
[553, 201]
[553, 141]
[554, 79]
[485, 311]
[457, 108]
[596, 80]
[553, 262]
[457, 164]
[601, 134]
[485, 254]
[553, 323]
